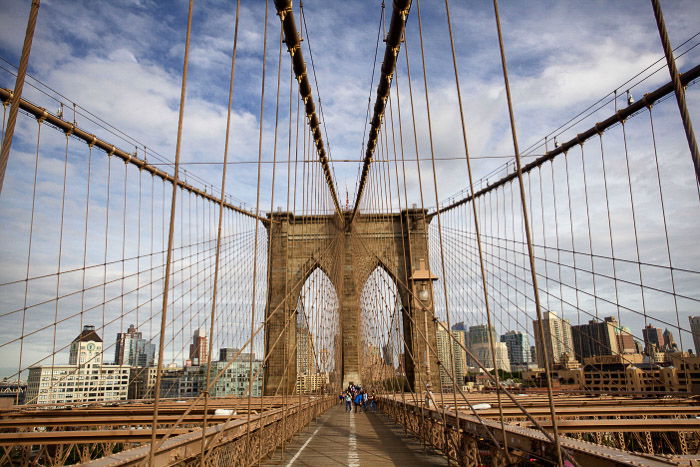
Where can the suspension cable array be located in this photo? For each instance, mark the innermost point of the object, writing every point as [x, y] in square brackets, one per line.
[399, 14]
[544, 314]
[293, 42]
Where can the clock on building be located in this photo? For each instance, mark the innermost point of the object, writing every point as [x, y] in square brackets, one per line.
[91, 347]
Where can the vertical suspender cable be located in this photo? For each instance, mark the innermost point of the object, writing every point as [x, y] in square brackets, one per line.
[218, 233]
[17, 94]
[397, 25]
[528, 234]
[440, 239]
[171, 236]
[257, 224]
[476, 227]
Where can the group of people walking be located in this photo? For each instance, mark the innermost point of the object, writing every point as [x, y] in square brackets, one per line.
[357, 397]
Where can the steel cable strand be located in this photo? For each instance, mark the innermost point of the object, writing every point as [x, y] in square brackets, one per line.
[526, 226]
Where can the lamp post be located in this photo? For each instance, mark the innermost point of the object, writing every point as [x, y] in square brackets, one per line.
[422, 287]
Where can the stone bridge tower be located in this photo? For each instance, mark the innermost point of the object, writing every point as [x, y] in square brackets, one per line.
[398, 243]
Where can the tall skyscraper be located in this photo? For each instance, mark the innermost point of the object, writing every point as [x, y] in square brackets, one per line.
[518, 346]
[695, 329]
[133, 350]
[669, 342]
[595, 338]
[449, 350]
[483, 353]
[653, 336]
[479, 334]
[199, 351]
[557, 339]
[306, 361]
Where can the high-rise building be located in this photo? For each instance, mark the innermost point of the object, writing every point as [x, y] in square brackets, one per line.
[451, 352]
[695, 329]
[653, 336]
[461, 333]
[479, 334]
[133, 350]
[669, 342]
[226, 354]
[595, 338]
[518, 346]
[557, 339]
[85, 379]
[387, 355]
[306, 360]
[199, 351]
[483, 353]
[233, 378]
[625, 341]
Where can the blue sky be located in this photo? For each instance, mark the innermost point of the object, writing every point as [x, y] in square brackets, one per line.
[122, 61]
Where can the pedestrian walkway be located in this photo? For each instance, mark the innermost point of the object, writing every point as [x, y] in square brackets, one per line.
[339, 438]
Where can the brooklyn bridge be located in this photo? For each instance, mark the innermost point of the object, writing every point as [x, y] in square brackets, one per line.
[349, 233]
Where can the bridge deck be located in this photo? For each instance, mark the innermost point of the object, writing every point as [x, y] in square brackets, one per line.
[357, 439]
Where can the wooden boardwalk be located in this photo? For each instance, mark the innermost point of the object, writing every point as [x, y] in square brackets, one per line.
[338, 438]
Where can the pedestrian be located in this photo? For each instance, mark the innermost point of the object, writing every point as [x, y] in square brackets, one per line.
[428, 396]
[341, 398]
[358, 401]
[364, 401]
[348, 401]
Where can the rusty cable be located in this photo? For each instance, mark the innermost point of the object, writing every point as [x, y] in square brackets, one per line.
[171, 238]
[528, 234]
[220, 221]
[477, 230]
[110, 149]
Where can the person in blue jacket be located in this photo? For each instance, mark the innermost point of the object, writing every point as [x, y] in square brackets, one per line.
[358, 400]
